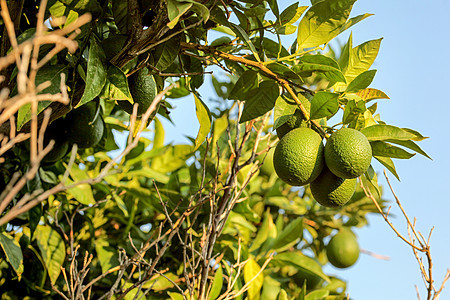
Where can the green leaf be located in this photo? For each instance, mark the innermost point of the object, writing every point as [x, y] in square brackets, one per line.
[204, 118]
[352, 110]
[248, 81]
[251, 270]
[381, 132]
[324, 104]
[118, 85]
[274, 7]
[121, 16]
[361, 58]
[52, 250]
[418, 136]
[346, 53]
[262, 100]
[217, 283]
[172, 159]
[389, 164]
[301, 262]
[289, 236]
[371, 94]
[82, 192]
[267, 232]
[410, 145]
[283, 111]
[245, 38]
[13, 252]
[271, 288]
[96, 73]
[291, 14]
[384, 149]
[46, 73]
[164, 54]
[175, 9]
[283, 295]
[107, 256]
[175, 296]
[361, 81]
[322, 22]
[354, 20]
[327, 66]
[283, 71]
[317, 294]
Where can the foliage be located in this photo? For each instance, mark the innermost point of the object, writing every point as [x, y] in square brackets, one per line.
[181, 221]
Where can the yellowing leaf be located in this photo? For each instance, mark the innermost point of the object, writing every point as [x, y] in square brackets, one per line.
[371, 94]
[52, 250]
[204, 118]
[251, 270]
[13, 252]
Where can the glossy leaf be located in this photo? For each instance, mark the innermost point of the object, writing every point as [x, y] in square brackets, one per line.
[389, 164]
[322, 22]
[384, 149]
[12, 251]
[118, 85]
[291, 14]
[52, 250]
[361, 81]
[371, 94]
[289, 235]
[361, 58]
[204, 118]
[283, 111]
[96, 73]
[317, 294]
[262, 100]
[324, 104]
[381, 132]
[251, 269]
[164, 54]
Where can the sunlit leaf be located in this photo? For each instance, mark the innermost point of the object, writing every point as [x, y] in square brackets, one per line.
[204, 118]
[251, 276]
[371, 94]
[361, 81]
[384, 149]
[12, 251]
[52, 250]
[381, 132]
[324, 104]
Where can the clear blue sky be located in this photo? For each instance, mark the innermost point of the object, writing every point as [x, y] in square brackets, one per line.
[413, 69]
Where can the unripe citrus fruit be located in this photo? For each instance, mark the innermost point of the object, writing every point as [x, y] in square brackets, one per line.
[332, 191]
[343, 249]
[267, 167]
[143, 89]
[295, 121]
[298, 157]
[83, 129]
[55, 131]
[348, 153]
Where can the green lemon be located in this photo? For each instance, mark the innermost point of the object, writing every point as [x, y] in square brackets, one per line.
[84, 128]
[55, 131]
[348, 153]
[332, 191]
[267, 167]
[298, 157]
[343, 249]
[143, 90]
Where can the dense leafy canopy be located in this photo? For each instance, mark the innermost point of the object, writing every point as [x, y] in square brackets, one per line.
[195, 220]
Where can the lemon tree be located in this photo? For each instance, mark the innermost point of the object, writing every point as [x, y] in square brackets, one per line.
[202, 218]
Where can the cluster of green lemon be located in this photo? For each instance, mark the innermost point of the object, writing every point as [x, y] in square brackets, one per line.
[300, 158]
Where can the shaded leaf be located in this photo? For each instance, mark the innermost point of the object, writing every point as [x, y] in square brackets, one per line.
[361, 81]
[107, 256]
[327, 66]
[164, 54]
[52, 250]
[289, 235]
[245, 38]
[121, 16]
[324, 104]
[118, 85]
[389, 164]
[175, 9]
[384, 149]
[262, 100]
[96, 73]
[301, 262]
[291, 14]
[13, 252]
[352, 110]
[246, 82]
[410, 145]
